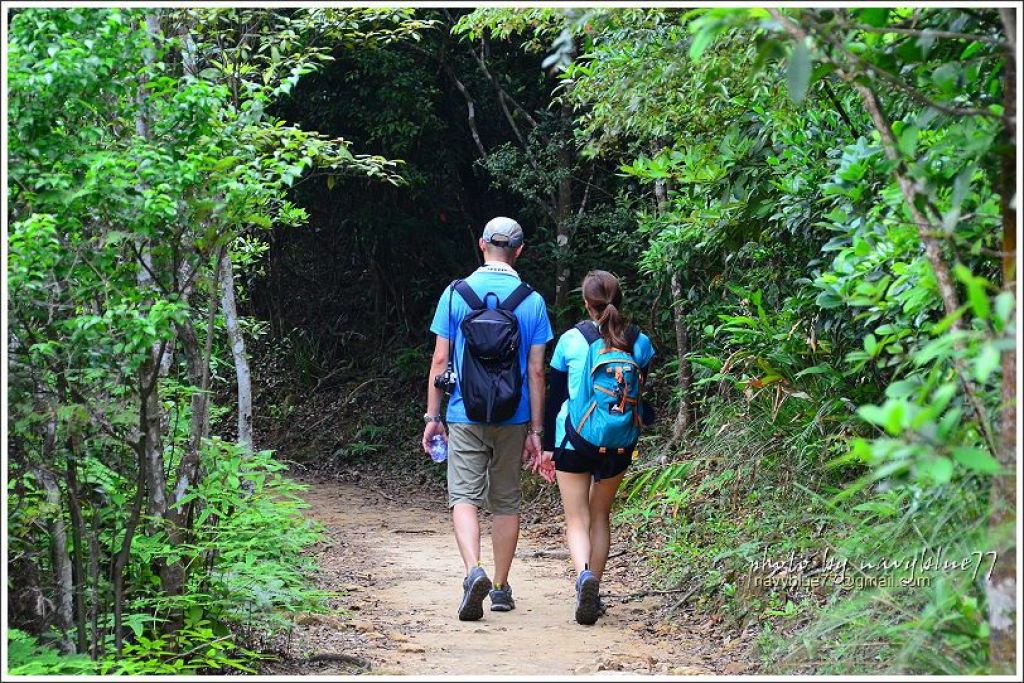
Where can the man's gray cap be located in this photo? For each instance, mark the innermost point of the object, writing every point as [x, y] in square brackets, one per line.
[503, 232]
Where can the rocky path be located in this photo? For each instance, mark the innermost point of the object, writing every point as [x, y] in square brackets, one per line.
[399, 568]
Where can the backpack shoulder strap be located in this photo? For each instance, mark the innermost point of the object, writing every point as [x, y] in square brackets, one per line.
[589, 331]
[467, 293]
[517, 297]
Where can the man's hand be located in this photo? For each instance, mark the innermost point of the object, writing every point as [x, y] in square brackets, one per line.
[532, 447]
[430, 431]
[539, 462]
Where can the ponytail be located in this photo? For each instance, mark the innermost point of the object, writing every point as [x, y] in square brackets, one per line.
[613, 328]
[601, 292]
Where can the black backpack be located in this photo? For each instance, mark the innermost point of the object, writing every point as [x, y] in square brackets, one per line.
[491, 377]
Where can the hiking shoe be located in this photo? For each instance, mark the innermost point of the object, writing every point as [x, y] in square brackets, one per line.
[587, 598]
[501, 599]
[474, 590]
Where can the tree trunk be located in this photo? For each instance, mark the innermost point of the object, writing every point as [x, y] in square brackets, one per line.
[1001, 584]
[685, 375]
[121, 560]
[62, 574]
[683, 416]
[94, 575]
[78, 544]
[198, 368]
[242, 374]
[563, 212]
[151, 459]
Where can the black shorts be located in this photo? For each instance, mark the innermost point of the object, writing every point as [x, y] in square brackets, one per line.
[601, 466]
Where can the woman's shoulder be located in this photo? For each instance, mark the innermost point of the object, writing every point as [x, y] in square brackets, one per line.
[573, 339]
[574, 334]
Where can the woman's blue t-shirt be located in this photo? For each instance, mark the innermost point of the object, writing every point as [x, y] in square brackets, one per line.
[571, 355]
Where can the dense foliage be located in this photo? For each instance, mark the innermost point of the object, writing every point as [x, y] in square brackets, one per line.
[144, 167]
[811, 211]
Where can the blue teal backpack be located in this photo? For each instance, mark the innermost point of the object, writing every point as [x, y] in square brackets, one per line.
[604, 417]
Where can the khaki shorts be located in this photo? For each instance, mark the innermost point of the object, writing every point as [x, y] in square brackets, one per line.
[484, 464]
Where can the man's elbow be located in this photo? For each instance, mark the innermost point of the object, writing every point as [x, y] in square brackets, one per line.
[536, 374]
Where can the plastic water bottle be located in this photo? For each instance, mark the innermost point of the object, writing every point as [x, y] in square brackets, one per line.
[438, 448]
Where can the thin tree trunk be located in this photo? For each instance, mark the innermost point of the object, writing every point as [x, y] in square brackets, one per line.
[685, 375]
[563, 213]
[94, 574]
[150, 451]
[78, 546]
[121, 560]
[62, 573]
[242, 374]
[683, 419]
[199, 375]
[1001, 584]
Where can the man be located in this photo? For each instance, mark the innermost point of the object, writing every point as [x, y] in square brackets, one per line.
[484, 455]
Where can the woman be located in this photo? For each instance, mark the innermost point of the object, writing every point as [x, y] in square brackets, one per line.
[592, 421]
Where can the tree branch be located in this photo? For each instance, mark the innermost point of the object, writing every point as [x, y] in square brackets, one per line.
[920, 32]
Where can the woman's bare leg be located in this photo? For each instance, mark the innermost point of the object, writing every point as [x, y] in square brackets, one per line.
[575, 490]
[602, 495]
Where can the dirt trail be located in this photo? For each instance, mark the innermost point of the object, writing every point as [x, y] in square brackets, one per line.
[398, 563]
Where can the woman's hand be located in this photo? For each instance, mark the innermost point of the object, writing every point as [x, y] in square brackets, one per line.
[546, 467]
[541, 464]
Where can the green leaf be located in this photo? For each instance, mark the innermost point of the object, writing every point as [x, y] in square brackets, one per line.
[895, 412]
[873, 16]
[976, 459]
[870, 344]
[1004, 308]
[945, 77]
[901, 389]
[813, 370]
[873, 414]
[986, 362]
[978, 298]
[937, 469]
[971, 49]
[828, 299]
[798, 75]
[907, 142]
[961, 186]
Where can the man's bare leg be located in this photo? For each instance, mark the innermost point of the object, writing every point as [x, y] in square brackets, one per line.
[504, 538]
[467, 533]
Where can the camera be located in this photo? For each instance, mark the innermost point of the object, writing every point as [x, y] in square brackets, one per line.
[446, 381]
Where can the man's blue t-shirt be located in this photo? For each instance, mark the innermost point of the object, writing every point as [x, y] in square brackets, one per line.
[571, 355]
[534, 328]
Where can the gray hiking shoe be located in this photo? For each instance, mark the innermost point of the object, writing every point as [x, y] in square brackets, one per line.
[474, 590]
[587, 598]
[501, 599]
